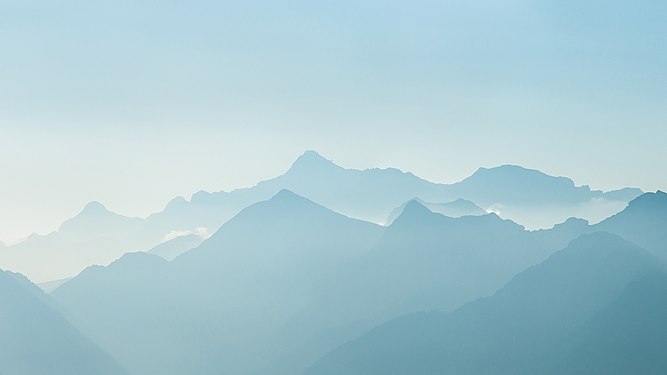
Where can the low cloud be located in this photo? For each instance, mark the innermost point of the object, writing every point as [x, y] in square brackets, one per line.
[200, 232]
[495, 208]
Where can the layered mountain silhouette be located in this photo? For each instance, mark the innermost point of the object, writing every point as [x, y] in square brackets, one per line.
[95, 221]
[37, 340]
[292, 272]
[424, 261]
[214, 308]
[50, 257]
[569, 314]
[94, 236]
[520, 194]
[514, 185]
[286, 280]
[98, 236]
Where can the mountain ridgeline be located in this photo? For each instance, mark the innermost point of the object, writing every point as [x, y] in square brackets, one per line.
[288, 286]
[529, 197]
[297, 277]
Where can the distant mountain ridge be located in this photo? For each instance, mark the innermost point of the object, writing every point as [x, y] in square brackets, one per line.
[527, 196]
[95, 221]
[98, 236]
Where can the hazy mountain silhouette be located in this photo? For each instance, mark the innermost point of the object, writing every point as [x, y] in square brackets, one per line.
[527, 196]
[536, 199]
[98, 236]
[176, 246]
[370, 194]
[515, 185]
[94, 236]
[214, 308]
[95, 221]
[51, 257]
[532, 325]
[627, 337]
[50, 286]
[286, 280]
[642, 222]
[424, 261]
[457, 208]
[36, 340]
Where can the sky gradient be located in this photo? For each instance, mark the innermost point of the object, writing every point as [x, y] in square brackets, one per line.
[134, 102]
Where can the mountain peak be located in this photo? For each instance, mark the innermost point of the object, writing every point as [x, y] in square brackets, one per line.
[94, 207]
[178, 201]
[287, 199]
[511, 170]
[286, 195]
[413, 210]
[311, 160]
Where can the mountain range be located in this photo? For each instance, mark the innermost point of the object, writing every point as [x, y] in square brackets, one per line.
[294, 276]
[287, 280]
[98, 236]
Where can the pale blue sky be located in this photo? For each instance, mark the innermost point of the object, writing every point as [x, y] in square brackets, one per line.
[133, 102]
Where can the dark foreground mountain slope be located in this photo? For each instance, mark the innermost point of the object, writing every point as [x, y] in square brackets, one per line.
[627, 337]
[36, 340]
[525, 327]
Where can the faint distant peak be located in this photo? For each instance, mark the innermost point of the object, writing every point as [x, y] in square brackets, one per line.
[500, 168]
[509, 169]
[625, 194]
[311, 161]
[178, 201]
[519, 177]
[462, 201]
[94, 207]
